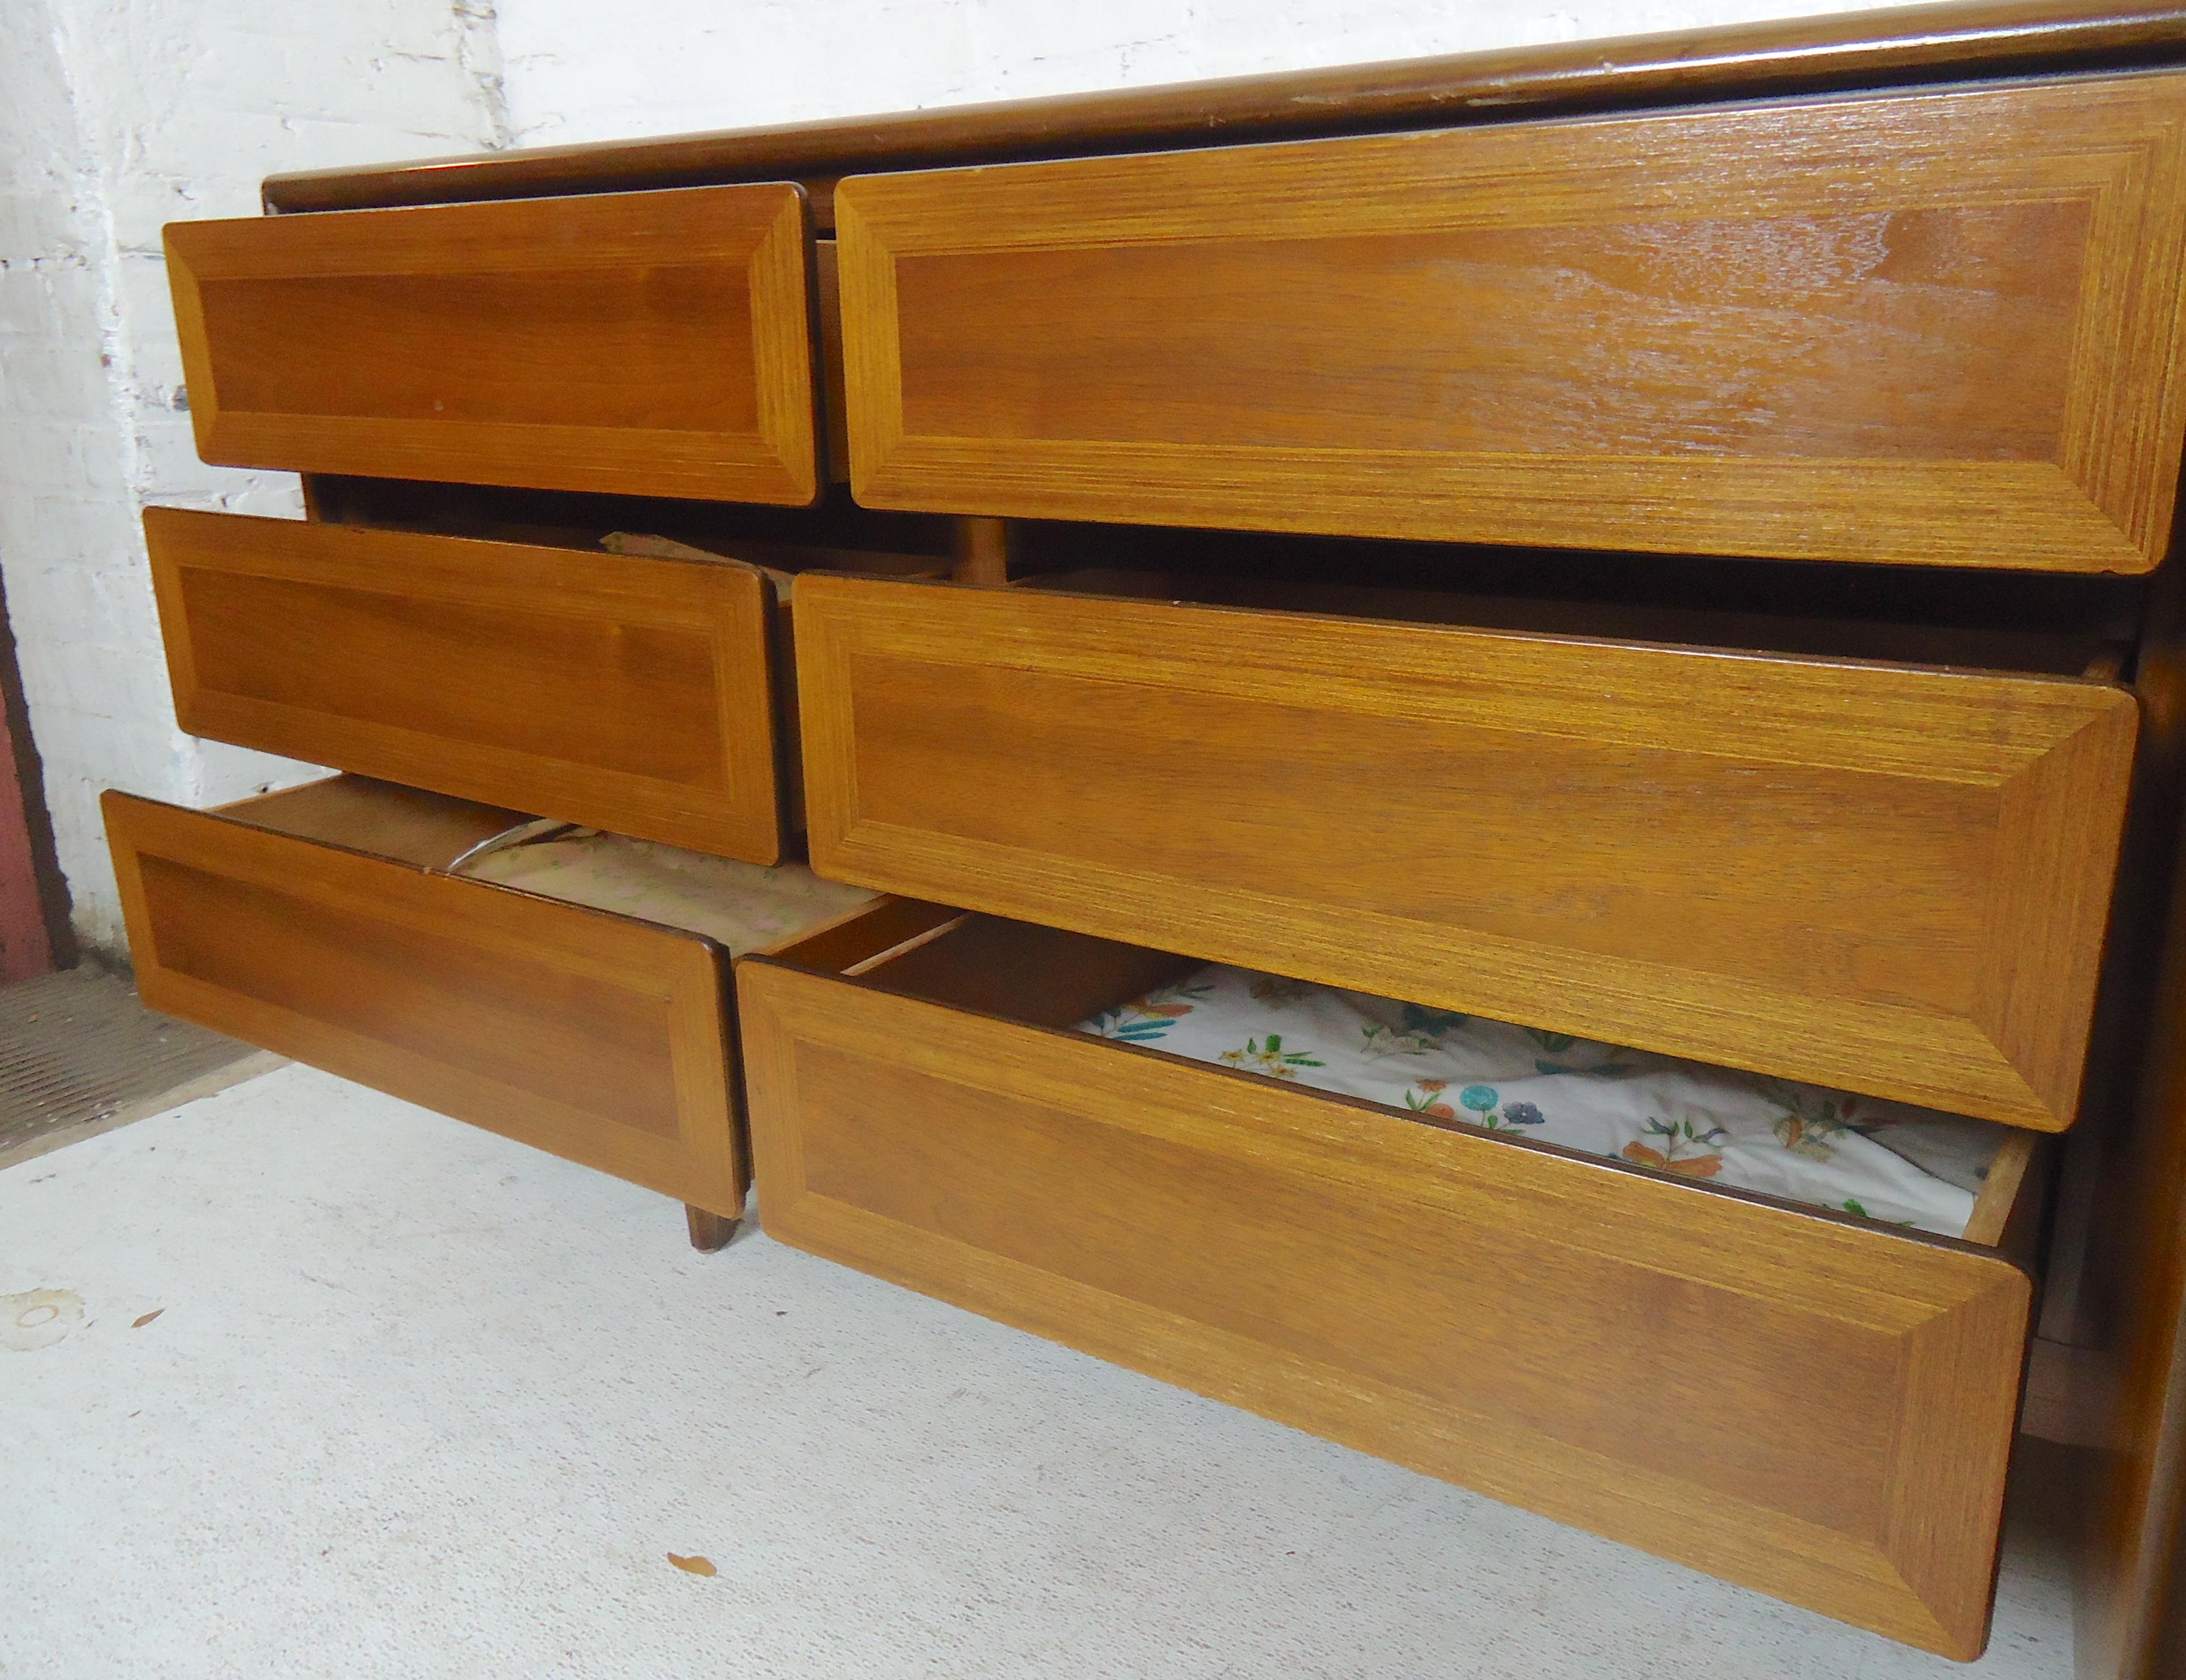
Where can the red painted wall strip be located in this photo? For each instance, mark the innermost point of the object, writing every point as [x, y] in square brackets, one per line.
[25, 951]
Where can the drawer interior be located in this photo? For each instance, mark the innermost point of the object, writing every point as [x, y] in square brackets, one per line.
[1852, 611]
[740, 906]
[2082, 648]
[409, 825]
[1930, 597]
[1888, 1166]
[834, 531]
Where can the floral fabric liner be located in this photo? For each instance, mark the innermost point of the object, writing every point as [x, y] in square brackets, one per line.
[743, 905]
[1863, 1155]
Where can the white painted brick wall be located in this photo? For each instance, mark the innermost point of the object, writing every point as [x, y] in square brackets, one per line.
[122, 115]
[119, 116]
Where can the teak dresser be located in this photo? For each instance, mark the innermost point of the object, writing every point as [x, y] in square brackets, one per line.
[1669, 541]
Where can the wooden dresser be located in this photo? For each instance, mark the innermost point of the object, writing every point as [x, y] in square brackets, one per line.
[1667, 541]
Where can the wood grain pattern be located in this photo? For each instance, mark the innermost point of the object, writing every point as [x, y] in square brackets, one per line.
[864, 933]
[600, 1039]
[1862, 49]
[2014, 1193]
[633, 694]
[1648, 1371]
[1035, 976]
[652, 344]
[1934, 327]
[1888, 878]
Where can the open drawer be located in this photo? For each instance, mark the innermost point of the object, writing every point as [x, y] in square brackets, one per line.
[1815, 1405]
[1930, 327]
[652, 344]
[1830, 864]
[642, 692]
[330, 923]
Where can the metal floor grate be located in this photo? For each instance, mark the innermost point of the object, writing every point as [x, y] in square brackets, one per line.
[80, 1054]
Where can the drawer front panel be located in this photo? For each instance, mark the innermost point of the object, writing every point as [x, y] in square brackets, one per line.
[1611, 1350]
[1891, 879]
[635, 695]
[1930, 329]
[601, 1039]
[655, 343]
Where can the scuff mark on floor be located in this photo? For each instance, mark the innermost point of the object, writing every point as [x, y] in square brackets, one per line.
[38, 1317]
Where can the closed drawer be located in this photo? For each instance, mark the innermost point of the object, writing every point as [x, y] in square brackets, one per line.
[1886, 877]
[1816, 1406]
[635, 694]
[656, 343]
[324, 922]
[1930, 327]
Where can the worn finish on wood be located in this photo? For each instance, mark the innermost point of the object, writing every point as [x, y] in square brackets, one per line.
[601, 1038]
[1889, 879]
[654, 343]
[1868, 49]
[1321, 1261]
[634, 694]
[1933, 329]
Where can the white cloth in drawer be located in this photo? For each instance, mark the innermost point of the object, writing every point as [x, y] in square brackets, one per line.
[1864, 1155]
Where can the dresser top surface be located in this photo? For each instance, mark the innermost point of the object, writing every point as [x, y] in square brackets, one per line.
[1896, 47]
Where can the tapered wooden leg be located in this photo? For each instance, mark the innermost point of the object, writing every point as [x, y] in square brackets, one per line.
[708, 1231]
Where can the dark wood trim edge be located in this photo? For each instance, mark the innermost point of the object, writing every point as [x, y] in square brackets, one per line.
[1862, 49]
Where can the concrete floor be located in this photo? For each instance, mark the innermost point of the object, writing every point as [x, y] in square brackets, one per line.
[416, 1401]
